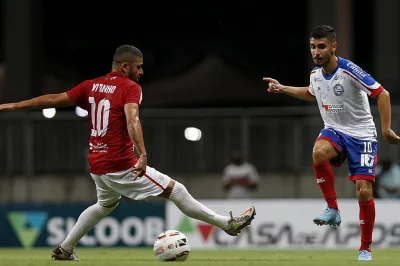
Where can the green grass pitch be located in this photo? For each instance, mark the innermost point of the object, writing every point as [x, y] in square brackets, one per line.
[144, 256]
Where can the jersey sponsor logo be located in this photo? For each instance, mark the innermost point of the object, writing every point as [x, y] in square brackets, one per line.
[101, 147]
[357, 70]
[338, 76]
[316, 79]
[338, 89]
[334, 108]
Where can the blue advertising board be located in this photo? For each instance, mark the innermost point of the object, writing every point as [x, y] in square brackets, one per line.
[42, 225]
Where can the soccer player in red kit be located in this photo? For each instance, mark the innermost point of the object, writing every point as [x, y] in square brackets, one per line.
[112, 102]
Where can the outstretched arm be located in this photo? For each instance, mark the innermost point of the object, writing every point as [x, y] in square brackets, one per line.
[41, 102]
[301, 93]
[386, 117]
[136, 134]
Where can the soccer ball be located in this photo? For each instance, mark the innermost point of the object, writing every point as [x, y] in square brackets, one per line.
[171, 245]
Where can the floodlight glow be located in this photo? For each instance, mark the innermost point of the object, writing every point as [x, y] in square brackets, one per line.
[49, 113]
[192, 134]
[80, 112]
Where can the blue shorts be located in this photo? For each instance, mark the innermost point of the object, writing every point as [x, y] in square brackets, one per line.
[362, 155]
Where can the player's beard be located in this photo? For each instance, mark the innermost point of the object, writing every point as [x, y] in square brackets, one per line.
[327, 60]
[133, 76]
[324, 60]
[320, 62]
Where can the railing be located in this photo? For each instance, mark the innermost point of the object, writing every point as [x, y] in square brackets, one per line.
[273, 139]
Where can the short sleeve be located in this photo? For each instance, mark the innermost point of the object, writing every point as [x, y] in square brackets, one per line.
[132, 94]
[362, 80]
[368, 84]
[78, 94]
[311, 87]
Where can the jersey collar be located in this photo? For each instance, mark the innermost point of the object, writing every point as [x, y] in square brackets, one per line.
[114, 73]
[328, 77]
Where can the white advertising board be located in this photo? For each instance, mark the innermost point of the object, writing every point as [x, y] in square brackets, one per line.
[288, 224]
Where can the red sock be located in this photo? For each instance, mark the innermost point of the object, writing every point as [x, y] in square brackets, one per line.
[367, 220]
[326, 181]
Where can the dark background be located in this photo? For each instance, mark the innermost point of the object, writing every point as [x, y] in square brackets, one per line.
[199, 57]
[196, 54]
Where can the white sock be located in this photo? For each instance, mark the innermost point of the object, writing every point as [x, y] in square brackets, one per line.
[194, 209]
[86, 221]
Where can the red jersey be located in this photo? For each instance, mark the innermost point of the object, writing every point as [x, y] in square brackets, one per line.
[110, 147]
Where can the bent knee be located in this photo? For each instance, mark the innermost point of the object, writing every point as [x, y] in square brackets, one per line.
[364, 194]
[109, 203]
[168, 190]
[320, 156]
[323, 152]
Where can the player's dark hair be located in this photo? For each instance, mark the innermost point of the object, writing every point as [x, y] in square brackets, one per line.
[324, 31]
[126, 52]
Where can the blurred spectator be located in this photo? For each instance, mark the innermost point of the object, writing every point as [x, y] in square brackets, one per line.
[388, 180]
[240, 178]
